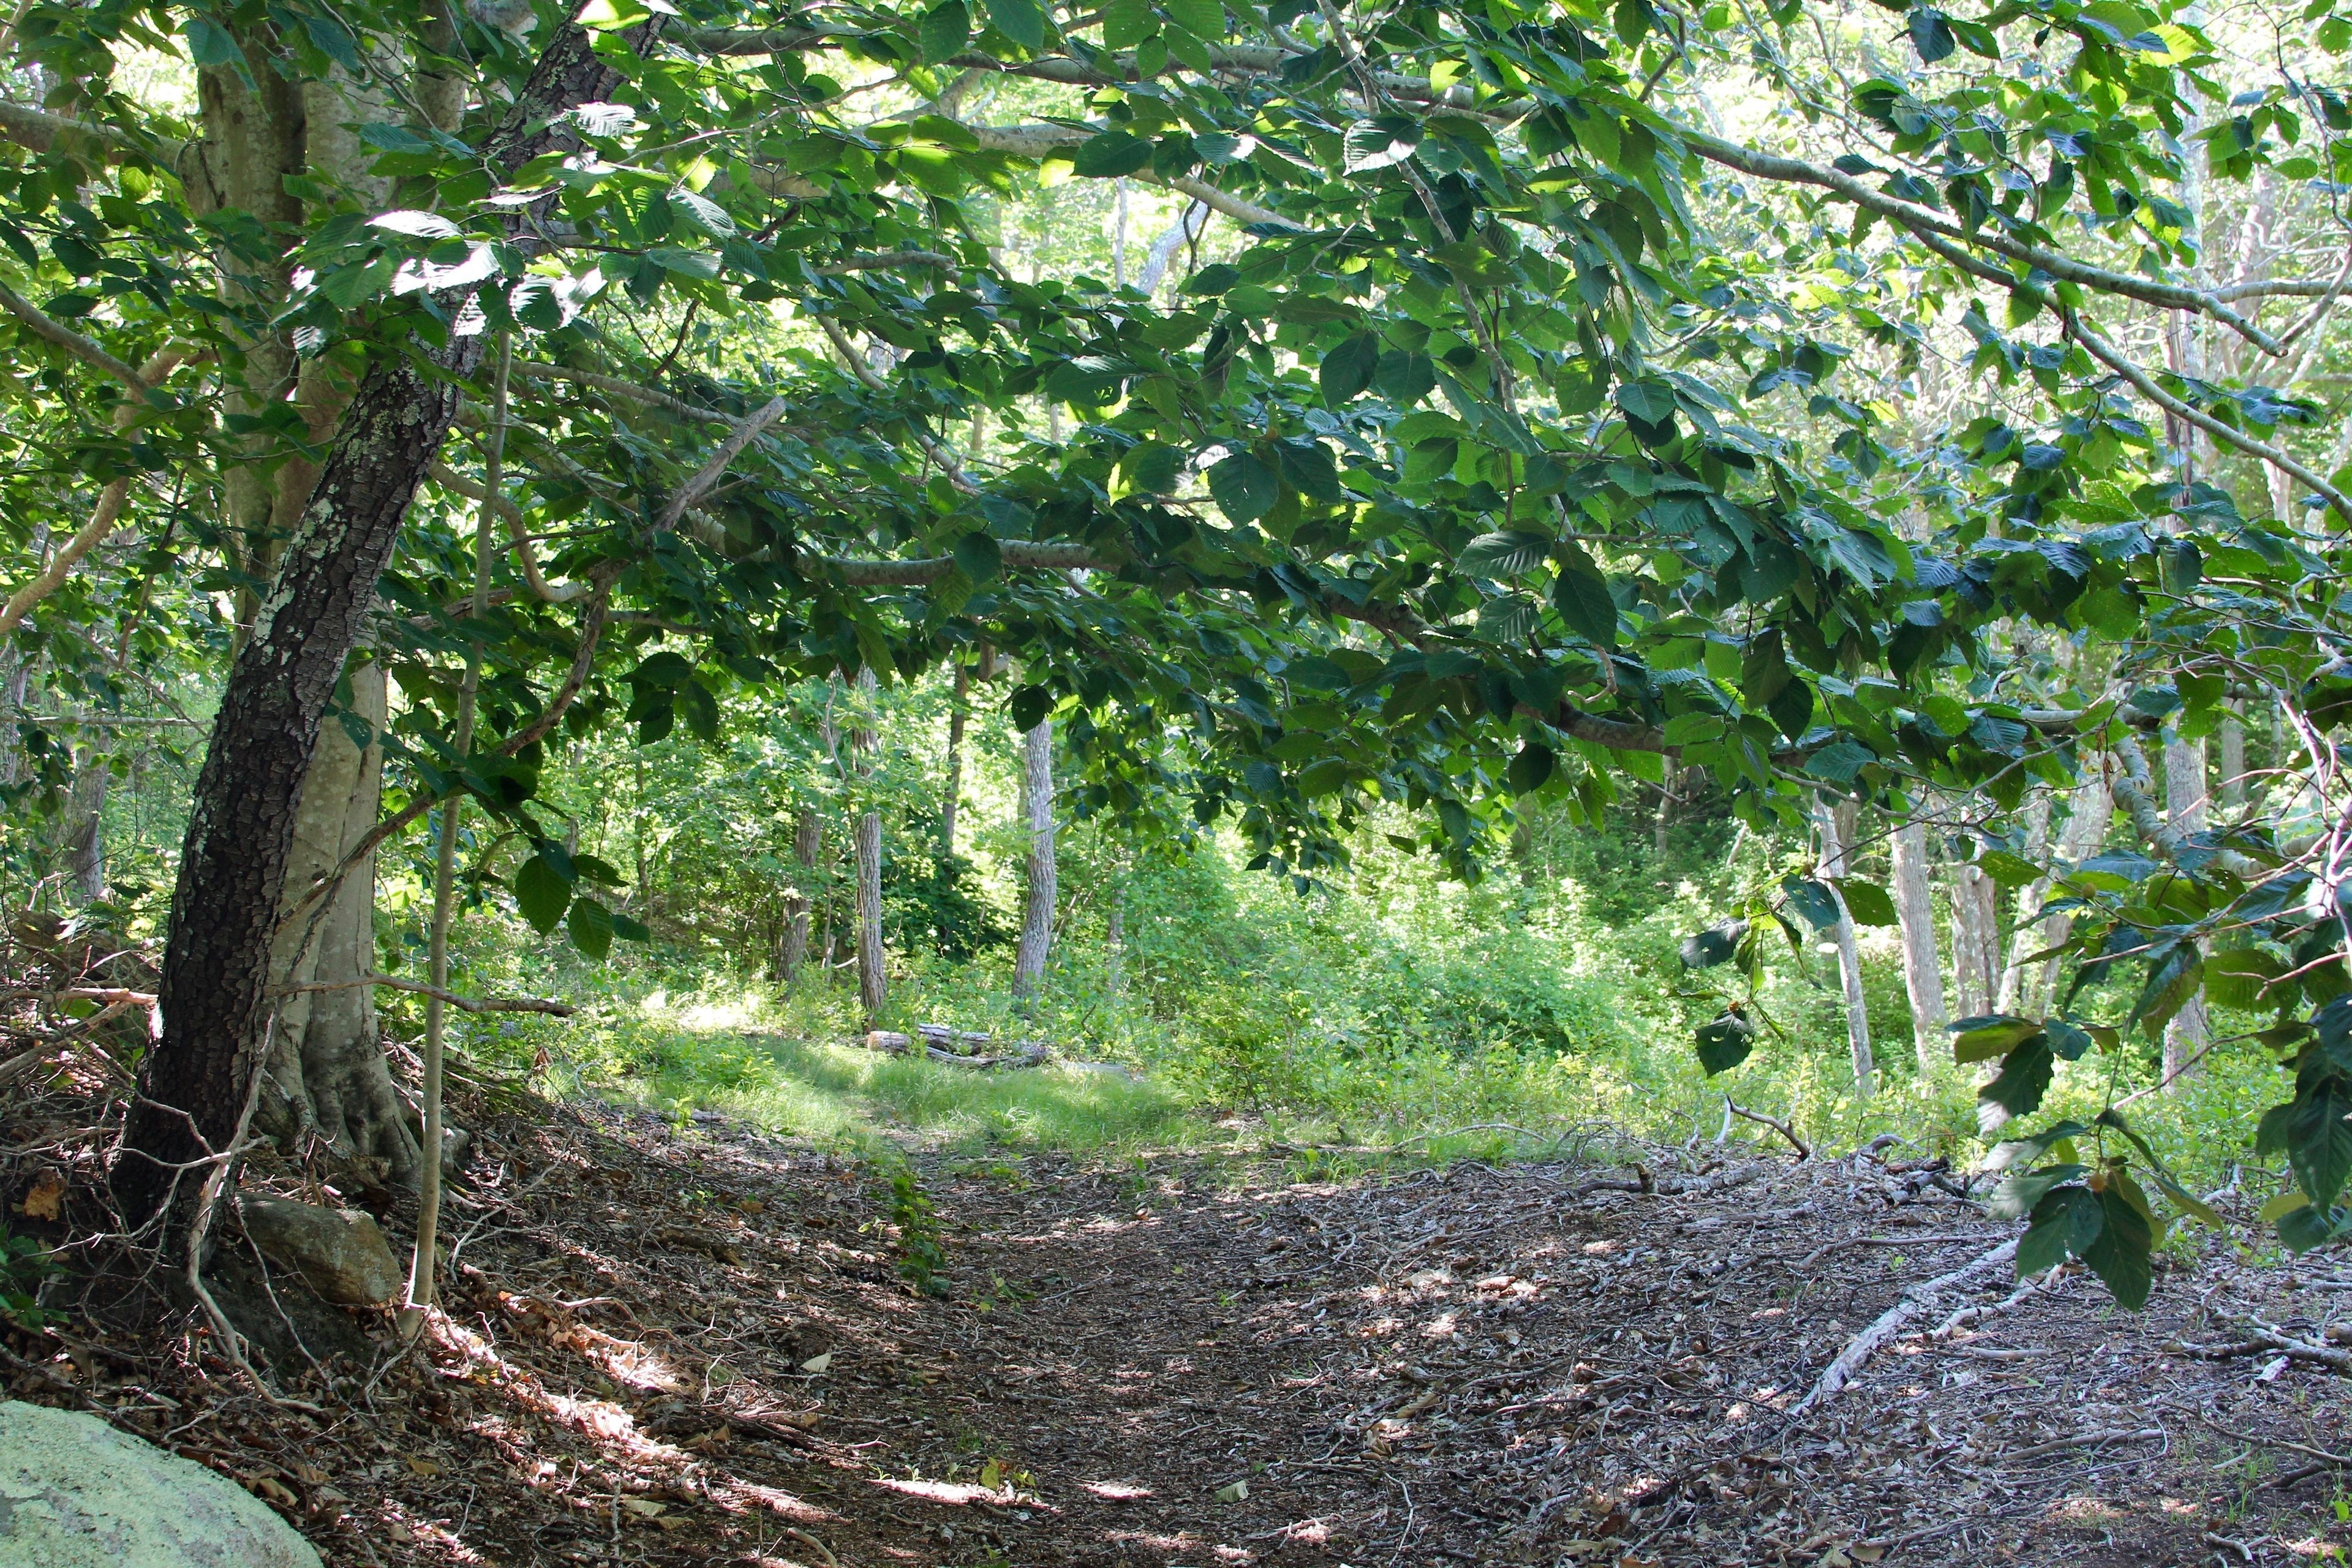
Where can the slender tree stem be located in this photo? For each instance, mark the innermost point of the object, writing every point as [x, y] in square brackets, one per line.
[445, 861]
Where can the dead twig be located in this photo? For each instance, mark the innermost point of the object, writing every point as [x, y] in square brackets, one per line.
[1804, 1150]
[1890, 1324]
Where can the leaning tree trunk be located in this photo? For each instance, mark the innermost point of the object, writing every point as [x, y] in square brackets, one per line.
[873, 958]
[1922, 974]
[1838, 823]
[218, 1021]
[2185, 1035]
[1040, 890]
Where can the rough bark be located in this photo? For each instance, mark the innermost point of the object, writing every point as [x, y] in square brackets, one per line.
[2184, 797]
[808, 844]
[1040, 881]
[1922, 974]
[1976, 941]
[1838, 822]
[242, 821]
[873, 972]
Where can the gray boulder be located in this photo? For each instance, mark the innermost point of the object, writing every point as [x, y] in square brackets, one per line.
[76, 1493]
[340, 1253]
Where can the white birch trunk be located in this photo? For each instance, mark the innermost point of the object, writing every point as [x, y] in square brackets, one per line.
[1837, 833]
[1922, 974]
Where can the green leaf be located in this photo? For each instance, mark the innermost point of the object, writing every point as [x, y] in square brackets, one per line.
[1582, 597]
[1725, 1043]
[1709, 948]
[628, 928]
[2318, 1138]
[1152, 468]
[1380, 142]
[2016, 1193]
[1347, 370]
[1505, 555]
[541, 893]
[1022, 21]
[1866, 904]
[2024, 1079]
[1245, 486]
[1127, 23]
[1530, 768]
[1205, 19]
[1651, 402]
[210, 44]
[1996, 1034]
[590, 925]
[1111, 153]
[1810, 901]
[2067, 1224]
[2126, 1244]
[979, 557]
[2235, 977]
[2172, 979]
[1030, 705]
[945, 31]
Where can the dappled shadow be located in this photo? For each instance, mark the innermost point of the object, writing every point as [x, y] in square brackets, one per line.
[669, 1347]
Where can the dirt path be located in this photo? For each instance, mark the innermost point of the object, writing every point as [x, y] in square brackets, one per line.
[683, 1348]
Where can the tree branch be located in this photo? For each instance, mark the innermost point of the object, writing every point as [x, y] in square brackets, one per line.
[866, 376]
[464, 1004]
[1924, 220]
[628, 391]
[87, 350]
[2135, 789]
[450, 480]
[710, 473]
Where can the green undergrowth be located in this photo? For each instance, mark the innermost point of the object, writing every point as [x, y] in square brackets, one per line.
[1402, 1018]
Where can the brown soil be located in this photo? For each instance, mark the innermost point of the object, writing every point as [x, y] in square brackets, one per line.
[675, 1348]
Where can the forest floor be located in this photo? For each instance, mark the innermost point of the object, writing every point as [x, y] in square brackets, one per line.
[674, 1346]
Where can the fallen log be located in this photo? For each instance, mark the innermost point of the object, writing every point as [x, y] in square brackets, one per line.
[1026, 1053]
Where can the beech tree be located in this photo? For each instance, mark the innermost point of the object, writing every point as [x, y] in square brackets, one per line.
[1528, 399]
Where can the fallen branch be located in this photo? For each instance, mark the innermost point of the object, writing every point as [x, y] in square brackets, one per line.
[464, 1004]
[1890, 1322]
[2323, 1461]
[1967, 1318]
[1028, 1054]
[1804, 1151]
[2270, 1339]
[2086, 1440]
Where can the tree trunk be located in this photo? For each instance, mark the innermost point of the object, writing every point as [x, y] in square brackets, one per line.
[2184, 797]
[1976, 941]
[2085, 830]
[959, 710]
[214, 992]
[808, 844]
[1115, 935]
[873, 974]
[2233, 757]
[2024, 923]
[1838, 823]
[1922, 974]
[1665, 817]
[85, 839]
[1039, 888]
[328, 1077]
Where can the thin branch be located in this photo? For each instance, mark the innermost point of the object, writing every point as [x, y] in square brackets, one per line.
[2135, 789]
[87, 350]
[866, 376]
[628, 391]
[1924, 220]
[526, 558]
[914, 572]
[710, 473]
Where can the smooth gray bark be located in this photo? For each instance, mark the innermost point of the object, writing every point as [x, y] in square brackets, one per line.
[1922, 972]
[1040, 883]
[1837, 823]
